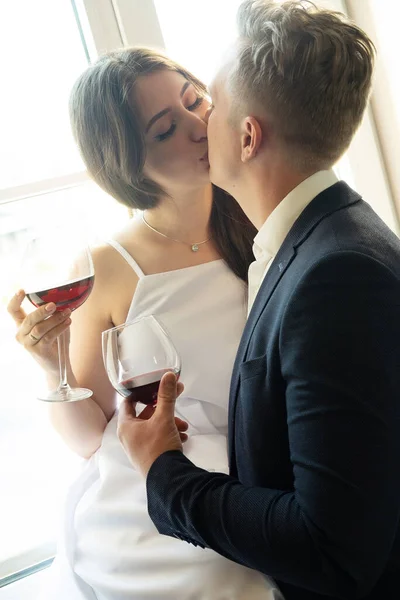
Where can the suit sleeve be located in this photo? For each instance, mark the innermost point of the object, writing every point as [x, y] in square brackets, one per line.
[340, 360]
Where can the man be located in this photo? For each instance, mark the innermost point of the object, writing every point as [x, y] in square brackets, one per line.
[313, 495]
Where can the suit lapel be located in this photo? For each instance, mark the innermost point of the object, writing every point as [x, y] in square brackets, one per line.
[329, 201]
[271, 280]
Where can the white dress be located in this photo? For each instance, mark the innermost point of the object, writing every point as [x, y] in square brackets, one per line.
[109, 548]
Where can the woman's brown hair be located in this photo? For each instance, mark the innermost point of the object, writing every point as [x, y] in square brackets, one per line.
[106, 126]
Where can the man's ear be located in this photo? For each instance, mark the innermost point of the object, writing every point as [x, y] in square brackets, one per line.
[250, 139]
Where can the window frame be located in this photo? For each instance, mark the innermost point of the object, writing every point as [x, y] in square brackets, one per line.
[369, 161]
[27, 563]
[382, 108]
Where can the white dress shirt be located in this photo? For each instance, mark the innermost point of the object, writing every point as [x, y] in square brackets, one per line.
[272, 234]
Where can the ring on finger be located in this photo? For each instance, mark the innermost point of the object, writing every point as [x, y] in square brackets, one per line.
[34, 338]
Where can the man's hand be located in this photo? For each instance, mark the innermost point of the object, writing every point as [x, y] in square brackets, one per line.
[156, 430]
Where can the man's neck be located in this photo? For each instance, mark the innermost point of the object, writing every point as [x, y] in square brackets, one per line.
[262, 190]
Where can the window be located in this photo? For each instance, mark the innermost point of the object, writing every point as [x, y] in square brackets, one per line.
[36, 79]
[386, 17]
[200, 52]
[42, 183]
[379, 20]
[35, 465]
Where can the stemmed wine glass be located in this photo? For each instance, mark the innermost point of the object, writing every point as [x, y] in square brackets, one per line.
[136, 355]
[57, 269]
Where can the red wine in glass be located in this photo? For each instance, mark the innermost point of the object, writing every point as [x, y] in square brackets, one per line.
[58, 267]
[136, 356]
[144, 388]
[71, 295]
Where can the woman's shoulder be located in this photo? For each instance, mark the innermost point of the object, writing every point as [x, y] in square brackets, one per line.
[107, 264]
[108, 253]
[115, 281]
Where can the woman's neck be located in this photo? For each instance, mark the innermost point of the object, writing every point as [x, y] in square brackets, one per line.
[185, 217]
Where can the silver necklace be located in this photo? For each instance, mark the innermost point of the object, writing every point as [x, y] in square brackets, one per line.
[194, 247]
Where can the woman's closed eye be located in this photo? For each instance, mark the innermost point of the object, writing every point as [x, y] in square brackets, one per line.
[167, 134]
[196, 103]
[163, 136]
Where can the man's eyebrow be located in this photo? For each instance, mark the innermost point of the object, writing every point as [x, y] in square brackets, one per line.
[166, 110]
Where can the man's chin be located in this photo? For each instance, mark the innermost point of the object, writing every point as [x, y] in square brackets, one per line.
[218, 182]
[214, 178]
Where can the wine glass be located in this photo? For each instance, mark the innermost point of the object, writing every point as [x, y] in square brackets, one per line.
[136, 355]
[56, 268]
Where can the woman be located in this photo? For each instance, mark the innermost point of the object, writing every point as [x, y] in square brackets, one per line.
[140, 123]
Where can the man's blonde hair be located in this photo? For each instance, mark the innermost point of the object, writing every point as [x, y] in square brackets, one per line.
[310, 69]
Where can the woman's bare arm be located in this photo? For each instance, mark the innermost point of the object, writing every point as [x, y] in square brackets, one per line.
[81, 424]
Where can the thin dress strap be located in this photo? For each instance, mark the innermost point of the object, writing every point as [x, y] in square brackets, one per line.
[127, 257]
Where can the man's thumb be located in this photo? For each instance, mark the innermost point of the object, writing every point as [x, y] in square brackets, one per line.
[167, 394]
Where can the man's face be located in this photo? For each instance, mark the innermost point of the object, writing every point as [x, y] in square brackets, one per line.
[223, 137]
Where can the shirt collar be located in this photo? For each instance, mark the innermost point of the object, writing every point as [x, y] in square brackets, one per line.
[272, 234]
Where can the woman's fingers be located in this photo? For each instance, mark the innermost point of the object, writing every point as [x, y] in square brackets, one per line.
[49, 336]
[40, 325]
[35, 317]
[14, 307]
[49, 329]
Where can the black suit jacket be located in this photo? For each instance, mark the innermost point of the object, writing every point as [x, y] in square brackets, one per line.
[313, 495]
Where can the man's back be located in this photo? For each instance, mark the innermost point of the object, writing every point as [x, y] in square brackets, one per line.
[315, 405]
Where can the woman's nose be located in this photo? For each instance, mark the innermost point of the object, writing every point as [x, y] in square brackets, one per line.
[199, 129]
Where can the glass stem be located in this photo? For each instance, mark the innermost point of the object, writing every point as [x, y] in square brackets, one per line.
[62, 362]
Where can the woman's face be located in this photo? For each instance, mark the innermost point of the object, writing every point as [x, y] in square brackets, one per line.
[173, 114]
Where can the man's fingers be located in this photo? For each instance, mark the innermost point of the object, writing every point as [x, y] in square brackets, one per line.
[184, 437]
[14, 307]
[147, 412]
[181, 424]
[167, 394]
[127, 410]
[179, 389]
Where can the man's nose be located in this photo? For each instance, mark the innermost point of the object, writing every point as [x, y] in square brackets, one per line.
[207, 114]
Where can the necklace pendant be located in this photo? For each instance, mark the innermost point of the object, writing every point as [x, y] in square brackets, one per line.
[195, 247]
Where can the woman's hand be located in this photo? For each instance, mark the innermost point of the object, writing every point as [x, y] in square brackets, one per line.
[38, 331]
